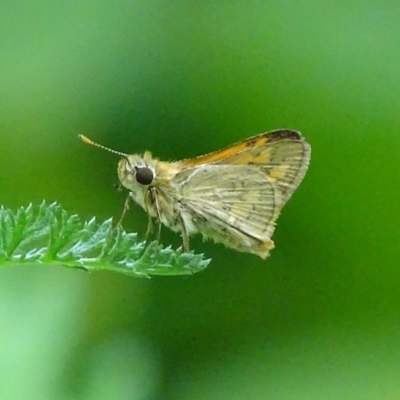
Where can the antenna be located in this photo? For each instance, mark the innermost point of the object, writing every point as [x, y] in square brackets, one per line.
[89, 141]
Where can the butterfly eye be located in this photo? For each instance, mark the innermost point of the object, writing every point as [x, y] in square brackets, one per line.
[144, 175]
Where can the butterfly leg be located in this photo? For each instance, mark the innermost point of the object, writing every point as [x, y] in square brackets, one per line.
[185, 238]
[126, 208]
[149, 231]
[154, 200]
[150, 228]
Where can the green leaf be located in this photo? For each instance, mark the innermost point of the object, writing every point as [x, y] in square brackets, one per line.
[47, 234]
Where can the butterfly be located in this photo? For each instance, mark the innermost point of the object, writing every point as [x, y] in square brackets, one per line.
[232, 196]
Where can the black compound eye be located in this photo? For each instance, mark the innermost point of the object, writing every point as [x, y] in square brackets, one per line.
[144, 175]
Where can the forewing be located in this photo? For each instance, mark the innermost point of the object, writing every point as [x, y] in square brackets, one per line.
[283, 155]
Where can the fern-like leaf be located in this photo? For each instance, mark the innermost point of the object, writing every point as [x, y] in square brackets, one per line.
[47, 234]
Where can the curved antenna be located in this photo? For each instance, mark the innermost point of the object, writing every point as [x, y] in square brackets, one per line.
[89, 141]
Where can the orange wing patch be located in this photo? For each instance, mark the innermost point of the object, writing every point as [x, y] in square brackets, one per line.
[242, 147]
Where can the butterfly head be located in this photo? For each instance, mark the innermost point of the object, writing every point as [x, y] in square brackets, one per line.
[135, 172]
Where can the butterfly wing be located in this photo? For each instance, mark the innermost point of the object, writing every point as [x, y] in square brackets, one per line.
[233, 204]
[283, 155]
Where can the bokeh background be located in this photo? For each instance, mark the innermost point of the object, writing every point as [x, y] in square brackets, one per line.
[320, 319]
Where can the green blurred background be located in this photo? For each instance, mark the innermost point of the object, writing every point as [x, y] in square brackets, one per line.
[320, 319]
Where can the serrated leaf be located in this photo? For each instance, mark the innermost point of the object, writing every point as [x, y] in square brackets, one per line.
[47, 234]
